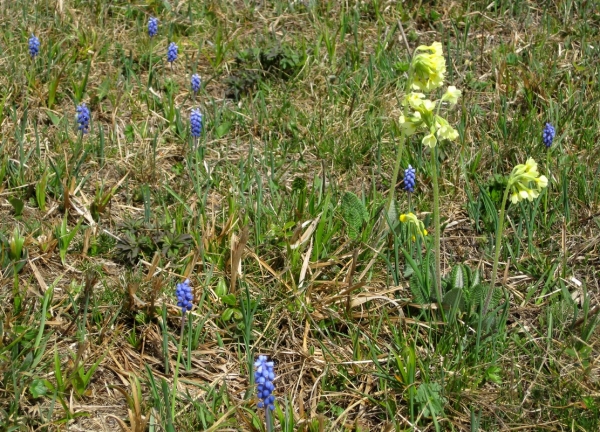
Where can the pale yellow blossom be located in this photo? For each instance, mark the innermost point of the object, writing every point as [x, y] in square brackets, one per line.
[452, 95]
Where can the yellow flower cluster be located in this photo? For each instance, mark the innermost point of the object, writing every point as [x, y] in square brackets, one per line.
[424, 114]
[526, 182]
[428, 67]
[411, 219]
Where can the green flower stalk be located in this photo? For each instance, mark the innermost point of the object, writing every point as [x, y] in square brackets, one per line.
[524, 182]
[425, 116]
[426, 73]
[185, 298]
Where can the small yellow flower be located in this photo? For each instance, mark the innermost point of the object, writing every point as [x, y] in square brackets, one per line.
[413, 99]
[430, 140]
[411, 219]
[452, 95]
[447, 132]
[411, 123]
[542, 181]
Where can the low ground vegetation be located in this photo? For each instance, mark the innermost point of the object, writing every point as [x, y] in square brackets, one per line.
[260, 151]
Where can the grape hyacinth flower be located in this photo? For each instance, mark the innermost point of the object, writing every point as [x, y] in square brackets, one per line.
[195, 83]
[184, 296]
[83, 118]
[152, 26]
[409, 179]
[196, 123]
[172, 53]
[34, 46]
[264, 376]
[548, 135]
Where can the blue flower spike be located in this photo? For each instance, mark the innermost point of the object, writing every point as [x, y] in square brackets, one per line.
[264, 376]
[83, 118]
[172, 52]
[152, 26]
[184, 295]
[195, 83]
[409, 179]
[34, 46]
[196, 123]
[548, 135]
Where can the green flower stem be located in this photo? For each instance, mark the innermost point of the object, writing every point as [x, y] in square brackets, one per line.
[548, 188]
[268, 419]
[498, 245]
[396, 171]
[400, 149]
[179, 349]
[16, 293]
[149, 84]
[436, 223]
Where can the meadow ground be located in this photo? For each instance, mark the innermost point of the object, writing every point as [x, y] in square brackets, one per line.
[279, 216]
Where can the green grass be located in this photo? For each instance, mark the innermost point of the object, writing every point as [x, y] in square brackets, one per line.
[301, 101]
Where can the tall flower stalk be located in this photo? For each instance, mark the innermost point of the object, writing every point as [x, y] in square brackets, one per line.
[426, 74]
[185, 297]
[524, 182]
[437, 236]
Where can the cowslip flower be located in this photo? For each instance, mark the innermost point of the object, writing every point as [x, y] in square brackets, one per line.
[452, 95]
[428, 67]
[184, 295]
[430, 140]
[195, 83]
[83, 118]
[411, 219]
[34, 46]
[264, 375]
[196, 123]
[525, 182]
[152, 26]
[548, 135]
[409, 179]
[172, 52]
[424, 116]
[410, 123]
[444, 130]
[417, 102]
